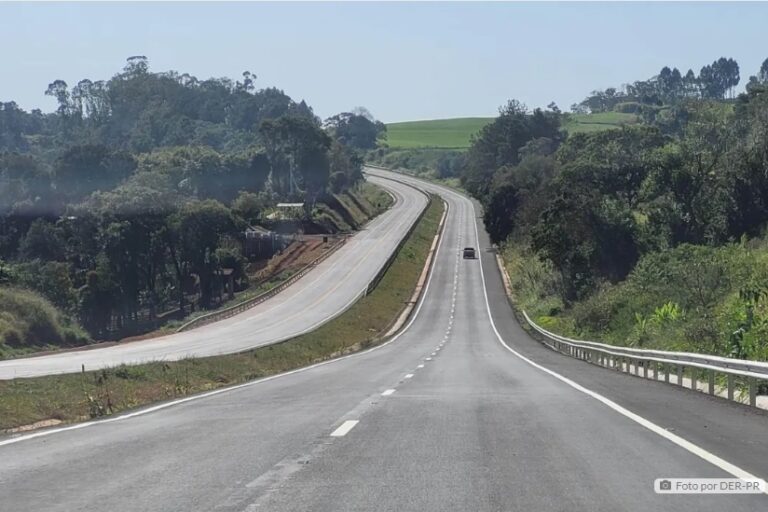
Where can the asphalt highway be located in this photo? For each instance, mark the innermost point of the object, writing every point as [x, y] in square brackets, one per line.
[308, 303]
[462, 411]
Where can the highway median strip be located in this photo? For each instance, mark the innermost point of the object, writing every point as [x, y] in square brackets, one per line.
[93, 394]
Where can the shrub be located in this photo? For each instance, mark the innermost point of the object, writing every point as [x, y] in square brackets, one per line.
[595, 314]
[628, 107]
[27, 319]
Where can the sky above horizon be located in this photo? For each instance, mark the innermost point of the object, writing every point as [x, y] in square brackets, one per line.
[402, 61]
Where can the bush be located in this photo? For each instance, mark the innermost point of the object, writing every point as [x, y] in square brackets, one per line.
[536, 285]
[628, 107]
[27, 319]
[595, 314]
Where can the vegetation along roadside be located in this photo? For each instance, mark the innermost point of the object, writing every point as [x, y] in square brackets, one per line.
[75, 397]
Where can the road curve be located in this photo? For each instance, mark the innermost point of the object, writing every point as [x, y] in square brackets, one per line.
[461, 412]
[323, 293]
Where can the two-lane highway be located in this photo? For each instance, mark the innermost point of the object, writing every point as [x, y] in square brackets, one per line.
[461, 412]
[314, 299]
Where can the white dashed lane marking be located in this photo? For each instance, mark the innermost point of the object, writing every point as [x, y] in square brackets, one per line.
[344, 428]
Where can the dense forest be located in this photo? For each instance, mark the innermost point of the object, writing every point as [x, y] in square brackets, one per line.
[132, 196]
[650, 234]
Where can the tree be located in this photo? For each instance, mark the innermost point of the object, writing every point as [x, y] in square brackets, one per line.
[297, 151]
[760, 79]
[346, 165]
[49, 278]
[136, 65]
[249, 206]
[199, 227]
[42, 241]
[513, 201]
[498, 144]
[98, 299]
[359, 131]
[24, 178]
[82, 170]
[244, 172]
[134, 242]
[686, 192]
[719, 78]
[58, 89]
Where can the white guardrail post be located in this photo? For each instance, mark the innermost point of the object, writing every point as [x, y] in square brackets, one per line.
[742, 376]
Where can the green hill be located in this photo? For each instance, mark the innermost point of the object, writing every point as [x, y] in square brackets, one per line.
[577, 123]
[455, 133]
[436, 133]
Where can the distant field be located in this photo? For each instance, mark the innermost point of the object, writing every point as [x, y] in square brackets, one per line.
[437, 133]
[455, 133]
[595, 122]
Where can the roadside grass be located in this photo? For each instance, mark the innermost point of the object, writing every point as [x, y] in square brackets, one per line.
[378, 199]
[365, 203]
[92, 394]
[686, 299]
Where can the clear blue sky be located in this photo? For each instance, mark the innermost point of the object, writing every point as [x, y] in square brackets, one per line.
[402, 61]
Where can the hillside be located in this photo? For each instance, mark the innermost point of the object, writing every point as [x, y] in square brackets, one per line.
[579, 123]
[435, 133]
[455, 133]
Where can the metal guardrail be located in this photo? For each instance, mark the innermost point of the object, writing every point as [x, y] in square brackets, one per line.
[410, 305]
[383, 270]
[249, 303]
[215, 316]
[626, 358]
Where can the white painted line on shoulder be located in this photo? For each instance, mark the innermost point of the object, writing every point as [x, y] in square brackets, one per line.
[344, 428]
[656, 429]
[388, 392]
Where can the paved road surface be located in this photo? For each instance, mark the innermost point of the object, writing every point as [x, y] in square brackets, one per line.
[469, 427]
[331, 287]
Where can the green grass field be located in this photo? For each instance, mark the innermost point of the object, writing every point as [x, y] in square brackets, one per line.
[579, 123]
[455, 133]
[435, 133]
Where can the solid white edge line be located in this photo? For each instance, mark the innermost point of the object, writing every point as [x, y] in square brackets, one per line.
[679, 441]
[148, 410]
[388, 392]
[344, 428]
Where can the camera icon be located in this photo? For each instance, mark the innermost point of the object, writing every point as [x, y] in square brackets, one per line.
[665, 485]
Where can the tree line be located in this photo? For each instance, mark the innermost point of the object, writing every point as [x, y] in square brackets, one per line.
[592, 204]
[133, 195]
[715, 81]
